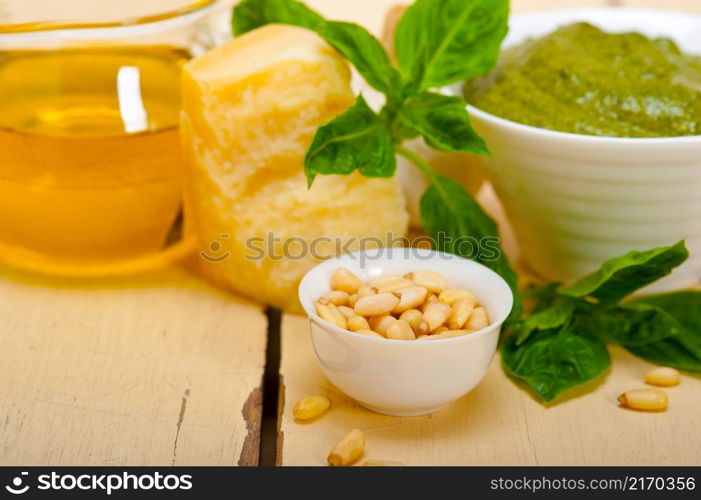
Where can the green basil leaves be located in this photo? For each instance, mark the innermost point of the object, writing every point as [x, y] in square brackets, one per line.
[579, 321]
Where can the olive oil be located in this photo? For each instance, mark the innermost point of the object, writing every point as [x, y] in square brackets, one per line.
[89, 152]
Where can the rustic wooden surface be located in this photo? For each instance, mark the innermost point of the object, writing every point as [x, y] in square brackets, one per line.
[498, 423]
[156, 370]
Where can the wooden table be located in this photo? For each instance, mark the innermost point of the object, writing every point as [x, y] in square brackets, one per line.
[156, 370]
[163, 369]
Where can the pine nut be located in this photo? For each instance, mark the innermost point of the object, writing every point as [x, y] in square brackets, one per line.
[330, 313]
[644, 399]
[338, 298]
[352, 300]
[369, 333]
[423, 327]
[432, 298]
[436, 314]
[366, 291]
[410, 298]
[348, 450]
[348, 312]
[381, 280]
[393, 285]
[344, 280]
[435, 282]
[663, 376]
[461, 313]
[400, 330]
[311, 407]
[478, 320]
[377, 305]
[381, 324]
[413, 317]
[452, 295]
[358, 323]
[440, 330]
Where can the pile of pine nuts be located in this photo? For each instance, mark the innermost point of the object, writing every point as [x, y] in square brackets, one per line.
[651, 399]
[417, 306]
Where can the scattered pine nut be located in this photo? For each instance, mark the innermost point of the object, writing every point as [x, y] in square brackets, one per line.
[344, 280]
[663, 376]
[311, 407]
[348, 450]
[644, 399]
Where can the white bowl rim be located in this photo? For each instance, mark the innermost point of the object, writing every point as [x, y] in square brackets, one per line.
[494, 325]
[583, 138]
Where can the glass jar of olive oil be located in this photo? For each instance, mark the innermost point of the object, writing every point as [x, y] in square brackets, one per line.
[89, 147]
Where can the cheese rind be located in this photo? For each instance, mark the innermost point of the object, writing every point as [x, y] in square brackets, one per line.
[250, 110]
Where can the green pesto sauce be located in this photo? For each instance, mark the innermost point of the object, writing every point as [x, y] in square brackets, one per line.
[582, 80]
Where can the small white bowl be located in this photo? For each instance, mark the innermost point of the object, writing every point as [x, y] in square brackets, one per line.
[577, 200]
[406, 378]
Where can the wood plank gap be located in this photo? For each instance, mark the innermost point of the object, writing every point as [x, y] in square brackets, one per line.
[271, 390]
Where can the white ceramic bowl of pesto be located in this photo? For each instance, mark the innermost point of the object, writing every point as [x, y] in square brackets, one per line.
[576, 200]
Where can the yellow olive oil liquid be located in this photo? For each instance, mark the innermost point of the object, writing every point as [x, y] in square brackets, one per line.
[89, 153]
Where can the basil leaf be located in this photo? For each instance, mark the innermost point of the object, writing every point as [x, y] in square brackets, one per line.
[553, 361]
[366, 53]
[457, 225]
[354, 140]
[681, 351]
[444, 123]
[623, 275]
[252, 14]
[628, 324]
[440, 42]
[557, 315]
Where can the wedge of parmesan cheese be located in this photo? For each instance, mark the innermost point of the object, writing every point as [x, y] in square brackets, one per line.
[250, 110]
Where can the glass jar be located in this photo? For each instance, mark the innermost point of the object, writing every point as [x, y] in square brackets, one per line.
[89, 146]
